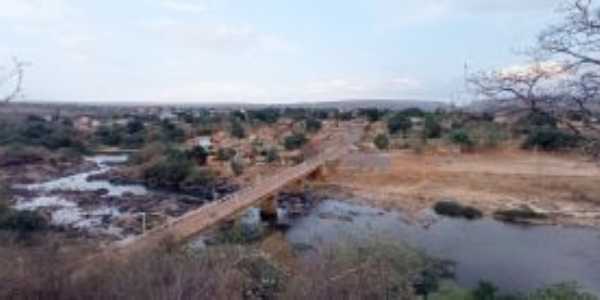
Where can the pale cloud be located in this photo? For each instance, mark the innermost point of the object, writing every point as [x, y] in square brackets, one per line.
[33, 10]
[222, 38]
[214, 90]
[394, 13]
[185, 6]
[544, 68]
[360, 88]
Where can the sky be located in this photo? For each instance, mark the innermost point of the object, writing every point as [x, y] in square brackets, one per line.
[173, 51]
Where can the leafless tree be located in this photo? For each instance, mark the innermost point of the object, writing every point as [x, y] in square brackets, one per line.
[12, 76]
[576, 40]
[532, 86]
[564, 77]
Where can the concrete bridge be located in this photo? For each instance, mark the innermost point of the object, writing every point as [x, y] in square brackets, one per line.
[261, 194]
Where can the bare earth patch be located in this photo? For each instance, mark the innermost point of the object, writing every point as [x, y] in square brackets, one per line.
[567, 187]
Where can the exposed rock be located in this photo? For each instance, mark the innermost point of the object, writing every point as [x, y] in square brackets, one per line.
[523, 214]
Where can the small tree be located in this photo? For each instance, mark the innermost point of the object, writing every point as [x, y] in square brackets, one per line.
[550, 139]
[313, 125]
[461, 137]
[382, 142]
[198, 154]
[134, 126]
[237, 130]
[267, 115]
[413, 112]
[295, 141]
[271, 155]
[372, 114]
[399, 123]
[433, 129]
[485, 291]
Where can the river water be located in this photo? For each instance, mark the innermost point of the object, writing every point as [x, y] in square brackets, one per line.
[79, 182]
[67, 212]
[513, 257]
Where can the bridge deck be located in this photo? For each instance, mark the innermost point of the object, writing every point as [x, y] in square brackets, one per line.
[208, 215]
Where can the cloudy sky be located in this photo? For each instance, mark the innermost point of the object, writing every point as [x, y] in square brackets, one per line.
[262, 50]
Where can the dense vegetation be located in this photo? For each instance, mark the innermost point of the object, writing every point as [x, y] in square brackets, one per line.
[37, 132]
[175, 169]
[22, 222]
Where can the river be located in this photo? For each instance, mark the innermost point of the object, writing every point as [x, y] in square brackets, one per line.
[513, 257]
[68, 212]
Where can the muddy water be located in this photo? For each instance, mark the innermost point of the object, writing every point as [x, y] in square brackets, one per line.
[515, 258]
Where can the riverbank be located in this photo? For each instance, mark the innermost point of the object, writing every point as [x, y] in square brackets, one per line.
[514, 257]
[561, 186]
[91, 204]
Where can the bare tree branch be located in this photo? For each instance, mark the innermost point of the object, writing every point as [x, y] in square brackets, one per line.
[13, 76]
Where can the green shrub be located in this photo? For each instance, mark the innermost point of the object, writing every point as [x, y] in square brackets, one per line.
[313, 125]
[226, 154]
[399, 123]
[271, 155]
[170, 132]
[199, 176]
[461, 137]
[148, 153]
[382, 142]
[541, 119]
[432, 128]
[110, 135]
[344, 115]
[485, 291]
[4, 196]
[563, 291]
[295, 141]
[550, 139]
[197, 154]
[413, 112]
[17, 154]
[135, 126]
[23, 222]
[167, 173]
[237, 130]
[491, 135]
[372, 114]
[267, 115]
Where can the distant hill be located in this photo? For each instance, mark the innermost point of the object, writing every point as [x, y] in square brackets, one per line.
[107, 109]
[392, 104]
[378, 103]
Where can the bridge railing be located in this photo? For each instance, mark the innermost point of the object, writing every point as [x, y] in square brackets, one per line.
[249, 195]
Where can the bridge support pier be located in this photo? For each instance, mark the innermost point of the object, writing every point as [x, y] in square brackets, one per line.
[322, 172]
[268, 208]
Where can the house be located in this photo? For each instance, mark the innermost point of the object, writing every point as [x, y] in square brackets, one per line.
[201, 141]
[86, 123]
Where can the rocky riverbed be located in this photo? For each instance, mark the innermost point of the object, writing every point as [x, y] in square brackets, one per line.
[98, 204]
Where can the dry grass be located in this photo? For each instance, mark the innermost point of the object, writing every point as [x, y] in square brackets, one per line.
[489, 181]
[221, 272]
